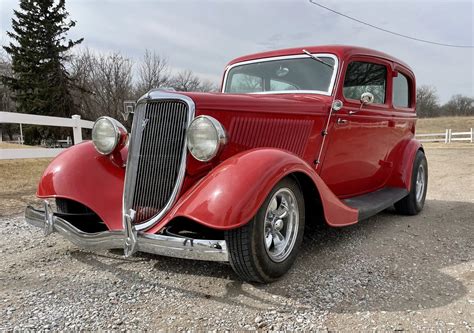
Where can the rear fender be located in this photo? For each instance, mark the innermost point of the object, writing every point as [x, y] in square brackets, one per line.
[231, 194]
[401, 176]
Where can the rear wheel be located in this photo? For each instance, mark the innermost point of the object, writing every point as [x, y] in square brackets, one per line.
[265, 248]
[413, 203]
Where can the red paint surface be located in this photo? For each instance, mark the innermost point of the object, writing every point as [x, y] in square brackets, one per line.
[375, 148]
[230, 195]
[82, 174]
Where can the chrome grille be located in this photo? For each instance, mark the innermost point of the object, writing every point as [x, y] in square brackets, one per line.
[156, 158]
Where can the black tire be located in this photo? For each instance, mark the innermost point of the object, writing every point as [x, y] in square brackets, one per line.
[248, 254]
[411, 204]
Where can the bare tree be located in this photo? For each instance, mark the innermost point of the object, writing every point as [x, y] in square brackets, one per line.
[186, 81]
[459, 105]
[82, 77]
[427, 102]
[6, 95]
[152, 72]
[103, 82]
[208, 86]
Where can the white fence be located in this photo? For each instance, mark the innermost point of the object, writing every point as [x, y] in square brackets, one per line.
[75, 122]
[447, 137]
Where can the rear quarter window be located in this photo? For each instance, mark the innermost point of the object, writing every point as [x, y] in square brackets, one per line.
[401, 91]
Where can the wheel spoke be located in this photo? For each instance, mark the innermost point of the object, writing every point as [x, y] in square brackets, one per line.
[281, 213]
[268, 240]
[279, 236]
[282, 210]
[278, 244]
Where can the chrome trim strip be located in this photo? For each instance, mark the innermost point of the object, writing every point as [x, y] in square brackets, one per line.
[155, 95]
[297, 56]
[187, 248]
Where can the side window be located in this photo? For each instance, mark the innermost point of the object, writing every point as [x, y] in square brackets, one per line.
[364, 77]
[244, 83]
[401, 95]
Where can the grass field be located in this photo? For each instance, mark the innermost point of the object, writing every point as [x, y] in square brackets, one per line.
[18, 179]
[439, 125]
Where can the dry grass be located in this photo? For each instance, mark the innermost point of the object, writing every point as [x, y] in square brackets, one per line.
[452, 145]
[19, 179]
[439, 125]
[5, 145]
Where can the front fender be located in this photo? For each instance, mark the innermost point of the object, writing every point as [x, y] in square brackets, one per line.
[231, 194]
[81, 174]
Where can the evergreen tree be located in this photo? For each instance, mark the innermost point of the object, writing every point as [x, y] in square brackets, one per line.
[39, 51]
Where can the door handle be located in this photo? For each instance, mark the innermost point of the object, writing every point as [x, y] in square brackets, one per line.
[341, 121]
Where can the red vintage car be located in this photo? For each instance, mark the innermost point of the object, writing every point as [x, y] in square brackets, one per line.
[295, 137]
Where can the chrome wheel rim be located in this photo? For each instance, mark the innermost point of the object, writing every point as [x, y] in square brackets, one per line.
[420, 183]
[281, 225]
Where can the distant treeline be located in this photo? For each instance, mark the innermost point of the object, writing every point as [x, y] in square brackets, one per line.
[428, 105]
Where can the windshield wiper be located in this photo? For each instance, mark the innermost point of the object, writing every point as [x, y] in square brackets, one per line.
[318, 59]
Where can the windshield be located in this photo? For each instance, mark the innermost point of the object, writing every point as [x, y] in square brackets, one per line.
[283, 75]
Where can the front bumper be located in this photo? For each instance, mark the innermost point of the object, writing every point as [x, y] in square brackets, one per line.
[178, 247]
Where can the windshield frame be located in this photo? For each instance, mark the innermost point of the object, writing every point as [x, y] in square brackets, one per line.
[296, 56]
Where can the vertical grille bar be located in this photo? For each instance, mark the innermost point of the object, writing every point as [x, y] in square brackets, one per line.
[155, 165]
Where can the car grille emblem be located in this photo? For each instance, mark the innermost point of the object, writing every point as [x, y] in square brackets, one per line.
[144, 122]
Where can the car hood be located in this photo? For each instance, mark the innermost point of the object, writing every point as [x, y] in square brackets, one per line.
[260, 103]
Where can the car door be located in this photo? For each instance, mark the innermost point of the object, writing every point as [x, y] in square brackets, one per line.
[359, 136]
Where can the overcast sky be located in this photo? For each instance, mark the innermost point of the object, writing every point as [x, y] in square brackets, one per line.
[204, 35]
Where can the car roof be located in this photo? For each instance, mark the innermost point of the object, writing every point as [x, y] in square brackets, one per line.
[341, 51]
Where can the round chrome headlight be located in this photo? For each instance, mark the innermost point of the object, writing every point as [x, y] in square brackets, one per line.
[205, 138]
[107, 134]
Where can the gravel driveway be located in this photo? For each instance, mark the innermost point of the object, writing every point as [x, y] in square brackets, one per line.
[388, 273]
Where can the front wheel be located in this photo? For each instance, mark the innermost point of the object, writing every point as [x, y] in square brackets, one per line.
[413, 203]
[265, 248]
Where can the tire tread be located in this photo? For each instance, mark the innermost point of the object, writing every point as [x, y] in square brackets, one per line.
[238, 242]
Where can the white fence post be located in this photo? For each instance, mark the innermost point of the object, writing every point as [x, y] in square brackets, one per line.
[447, 137]
[21, 135]
[77, 130]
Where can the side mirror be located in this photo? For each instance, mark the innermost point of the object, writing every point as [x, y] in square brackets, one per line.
[367, 98]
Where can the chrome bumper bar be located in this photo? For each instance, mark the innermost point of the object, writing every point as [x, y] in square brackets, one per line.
[197, 249]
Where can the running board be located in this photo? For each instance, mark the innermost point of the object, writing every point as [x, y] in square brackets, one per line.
[372, 203]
